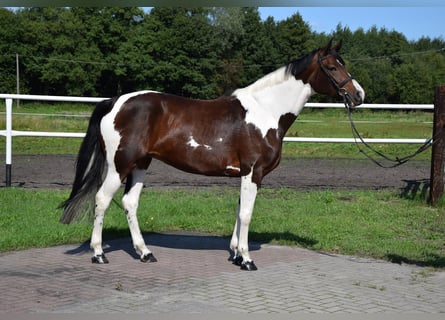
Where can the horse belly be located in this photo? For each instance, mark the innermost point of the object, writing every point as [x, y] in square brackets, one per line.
[199, 158]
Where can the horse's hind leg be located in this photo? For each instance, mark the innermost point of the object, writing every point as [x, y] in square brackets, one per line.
[130, 202]
[104, 196]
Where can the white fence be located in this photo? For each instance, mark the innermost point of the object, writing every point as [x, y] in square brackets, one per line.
[9, 132]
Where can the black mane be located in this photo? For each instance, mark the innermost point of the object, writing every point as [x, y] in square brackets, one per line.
[297, 66]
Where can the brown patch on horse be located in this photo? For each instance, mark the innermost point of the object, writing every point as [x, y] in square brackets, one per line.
[161, 126]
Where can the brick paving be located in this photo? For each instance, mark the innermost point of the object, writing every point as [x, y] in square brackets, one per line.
[192, 275]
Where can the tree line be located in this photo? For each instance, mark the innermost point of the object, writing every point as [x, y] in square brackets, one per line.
[197, 52]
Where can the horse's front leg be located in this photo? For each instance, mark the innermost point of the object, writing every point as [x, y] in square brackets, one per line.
[239, 243]
[130, 202]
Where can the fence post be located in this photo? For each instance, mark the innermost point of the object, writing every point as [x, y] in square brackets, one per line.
[8, 103]
[438, 150]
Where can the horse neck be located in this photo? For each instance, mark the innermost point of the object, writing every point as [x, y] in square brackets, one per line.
[278, 93]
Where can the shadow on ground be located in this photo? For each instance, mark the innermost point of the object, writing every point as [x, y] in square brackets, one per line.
[183, 240]
[196, 241]
[416, 189]
[189, 241]
[433, 260]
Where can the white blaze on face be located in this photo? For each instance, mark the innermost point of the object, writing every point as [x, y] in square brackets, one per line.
[359, 88]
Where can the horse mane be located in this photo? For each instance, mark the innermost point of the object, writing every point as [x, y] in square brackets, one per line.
[293, 68]
[297, 66]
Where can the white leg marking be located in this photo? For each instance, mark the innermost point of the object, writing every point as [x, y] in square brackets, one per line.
[103, 198]
[130, 201]
[241, 231]
[234, 240]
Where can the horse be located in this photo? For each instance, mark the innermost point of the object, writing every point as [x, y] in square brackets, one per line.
[238, 135]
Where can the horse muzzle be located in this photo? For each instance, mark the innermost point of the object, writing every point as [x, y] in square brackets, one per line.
[352, 99]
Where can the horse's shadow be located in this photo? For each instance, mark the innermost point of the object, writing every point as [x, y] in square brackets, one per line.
[185, 240]
[164, 240]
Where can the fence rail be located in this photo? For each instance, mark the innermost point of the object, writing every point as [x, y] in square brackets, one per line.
[9, 132]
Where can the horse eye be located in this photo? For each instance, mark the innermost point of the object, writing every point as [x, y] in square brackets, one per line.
[332, 68]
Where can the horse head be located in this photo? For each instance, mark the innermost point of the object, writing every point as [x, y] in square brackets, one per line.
[328, 75]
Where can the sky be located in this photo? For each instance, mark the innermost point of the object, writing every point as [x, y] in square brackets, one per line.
[413, 22]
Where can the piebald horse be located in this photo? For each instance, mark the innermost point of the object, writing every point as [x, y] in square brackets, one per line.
[237, 136]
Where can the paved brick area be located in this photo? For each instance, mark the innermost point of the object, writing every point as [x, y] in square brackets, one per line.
[193, 275]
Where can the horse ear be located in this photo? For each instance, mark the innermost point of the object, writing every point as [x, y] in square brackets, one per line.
[338, 46]
[324, 51]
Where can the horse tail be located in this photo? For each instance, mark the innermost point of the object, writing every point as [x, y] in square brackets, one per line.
[90, 166]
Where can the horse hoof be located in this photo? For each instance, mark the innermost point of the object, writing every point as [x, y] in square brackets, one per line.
[100, 259]
[237, 261]
[148, 258]
[249, 266]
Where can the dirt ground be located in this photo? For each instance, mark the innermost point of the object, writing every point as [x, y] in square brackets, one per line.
[301, 174]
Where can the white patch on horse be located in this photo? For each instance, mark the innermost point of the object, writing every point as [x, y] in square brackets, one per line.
[192, 143]
[233, 168]
[107, 124]
[271, 97]
[107, 128]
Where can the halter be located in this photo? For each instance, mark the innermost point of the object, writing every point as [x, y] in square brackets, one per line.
[341, 91]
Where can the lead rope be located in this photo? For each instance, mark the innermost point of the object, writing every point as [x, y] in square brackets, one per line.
[395, 161]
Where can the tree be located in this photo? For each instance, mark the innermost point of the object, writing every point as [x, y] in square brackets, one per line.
[116, 27]
[185, 52]
[294, 37]
[415, 79]
[9, 46]
[197, 52]
[257, 48]
[56, 54]
[228, 26]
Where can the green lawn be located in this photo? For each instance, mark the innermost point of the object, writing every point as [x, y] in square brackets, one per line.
[372, 224]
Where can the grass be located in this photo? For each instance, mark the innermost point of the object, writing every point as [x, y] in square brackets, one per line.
[382, 225]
